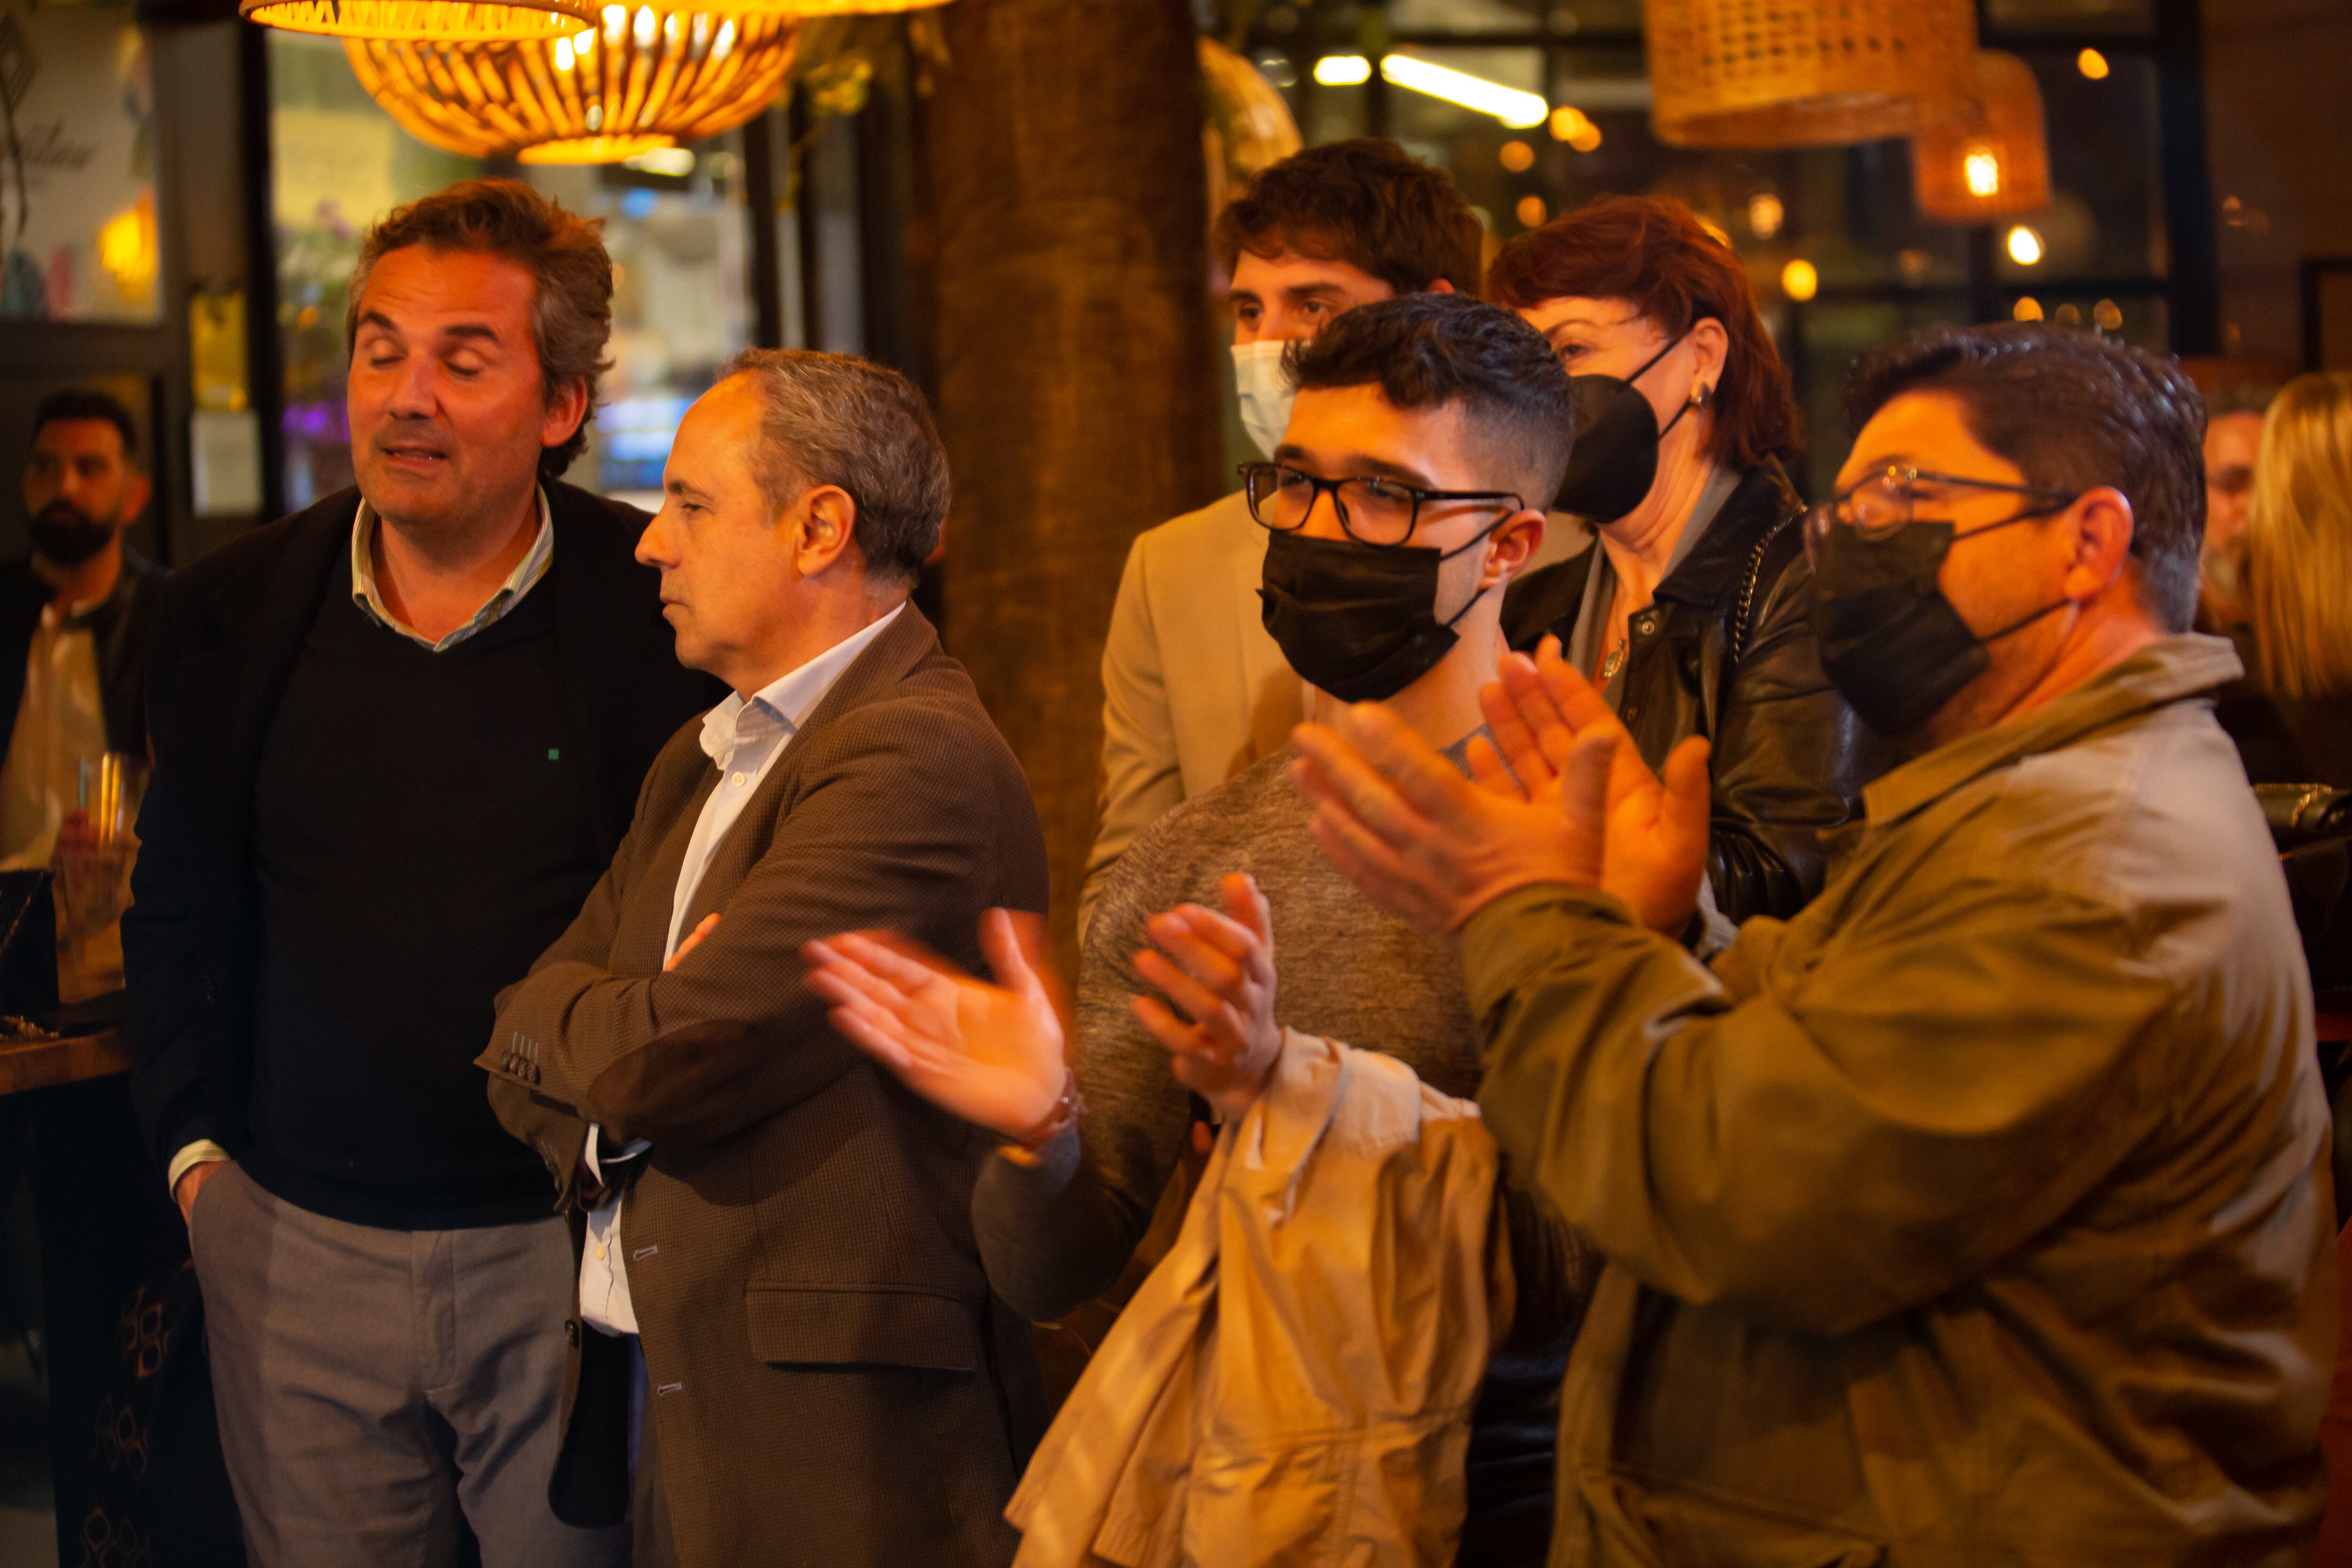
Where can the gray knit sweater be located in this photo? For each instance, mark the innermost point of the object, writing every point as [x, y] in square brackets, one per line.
[1056, 1235]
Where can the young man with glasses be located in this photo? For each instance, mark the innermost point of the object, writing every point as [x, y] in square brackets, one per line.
[1976, 1214]
[1193, 690]
[1404, 496]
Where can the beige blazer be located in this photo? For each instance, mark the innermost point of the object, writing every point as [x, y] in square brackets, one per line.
[1294, 1381]
[1194, 689]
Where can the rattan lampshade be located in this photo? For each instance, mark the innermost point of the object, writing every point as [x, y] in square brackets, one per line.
[442, 21]
[1803, 73]
[640, 80]
[1989, 157]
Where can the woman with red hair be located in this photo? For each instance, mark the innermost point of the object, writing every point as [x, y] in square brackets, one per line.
[1691, 614]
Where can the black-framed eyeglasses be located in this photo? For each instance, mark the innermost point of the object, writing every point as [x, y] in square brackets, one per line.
[1372, 511]
[1882, 503]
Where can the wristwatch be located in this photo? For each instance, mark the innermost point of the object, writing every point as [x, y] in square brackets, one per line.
[1023, 1150]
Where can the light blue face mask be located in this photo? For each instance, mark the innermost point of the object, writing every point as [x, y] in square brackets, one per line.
[1266, 391]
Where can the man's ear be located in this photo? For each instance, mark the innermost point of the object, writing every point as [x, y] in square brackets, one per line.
[2102, 525]
[565, 411]
[137, 490]
[826, 516]
[1511, 547]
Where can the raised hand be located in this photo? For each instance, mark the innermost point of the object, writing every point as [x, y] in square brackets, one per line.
[1222, 1039]
[1576, 805]
[1419, 838]
[993, 1054]
[1654, 831]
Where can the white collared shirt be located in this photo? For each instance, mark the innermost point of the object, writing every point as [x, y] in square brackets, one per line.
[505, 597]
[744, 739]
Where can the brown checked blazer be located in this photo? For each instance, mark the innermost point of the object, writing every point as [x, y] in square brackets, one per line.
[831, 1381]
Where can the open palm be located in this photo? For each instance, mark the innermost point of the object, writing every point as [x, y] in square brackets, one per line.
[990, 1054]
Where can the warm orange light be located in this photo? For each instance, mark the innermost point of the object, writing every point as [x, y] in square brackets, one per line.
[413, 21]
[2027, 309]
[1799, 281]
[1518, 156]
[1765, 213]
[646, 80]
[2108, 315]
[1981, 168]
[1988, 156]
[2092, 64]
[1532, 212]
[2024, 245]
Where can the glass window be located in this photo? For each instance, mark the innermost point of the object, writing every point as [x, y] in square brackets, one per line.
[681, 258]
[676, 227]
[77, 238]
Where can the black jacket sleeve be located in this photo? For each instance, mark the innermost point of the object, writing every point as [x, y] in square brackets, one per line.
[164, 931]
[1791, 757]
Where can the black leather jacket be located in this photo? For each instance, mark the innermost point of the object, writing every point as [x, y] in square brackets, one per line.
[1726, 651]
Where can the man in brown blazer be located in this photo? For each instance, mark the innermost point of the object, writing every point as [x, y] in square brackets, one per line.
[783, 1328]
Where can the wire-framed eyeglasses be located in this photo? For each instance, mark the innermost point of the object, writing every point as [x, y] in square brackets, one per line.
[1883, 503]
[1370, 509]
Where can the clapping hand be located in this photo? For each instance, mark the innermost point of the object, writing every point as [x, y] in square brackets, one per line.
[990, 1054]
[1575, 805]
[1222, 1039]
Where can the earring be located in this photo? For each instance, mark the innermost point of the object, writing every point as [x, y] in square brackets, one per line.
[1701, 396]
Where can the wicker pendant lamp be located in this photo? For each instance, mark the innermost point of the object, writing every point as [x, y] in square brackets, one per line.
[443, 21]
[639, 79]
[1989, 157]
[1803, 73]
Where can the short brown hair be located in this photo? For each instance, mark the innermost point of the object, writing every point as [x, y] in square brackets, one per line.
[2073, 411]
[1652, 253]
[572, 279]
[835, 420]
[1366, 202]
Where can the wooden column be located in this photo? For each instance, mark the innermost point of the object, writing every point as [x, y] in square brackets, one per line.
[1062, 156]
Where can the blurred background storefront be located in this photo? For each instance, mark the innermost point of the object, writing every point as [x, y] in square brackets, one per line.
[1008, 205]
[182, 200]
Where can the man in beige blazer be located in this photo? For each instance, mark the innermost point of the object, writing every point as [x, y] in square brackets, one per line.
[1194, 689]
[783, 1328]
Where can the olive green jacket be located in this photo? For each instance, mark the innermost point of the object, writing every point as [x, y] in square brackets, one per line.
[1977, 1215]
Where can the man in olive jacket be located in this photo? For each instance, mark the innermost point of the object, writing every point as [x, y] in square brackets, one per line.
[1979, 1214]
[779, 1250]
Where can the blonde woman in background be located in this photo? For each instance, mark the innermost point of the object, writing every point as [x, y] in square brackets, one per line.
[2298, 545]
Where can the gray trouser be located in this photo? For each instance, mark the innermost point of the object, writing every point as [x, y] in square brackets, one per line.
[374, 1383]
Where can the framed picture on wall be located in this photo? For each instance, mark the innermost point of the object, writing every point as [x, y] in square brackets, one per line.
[77, 165]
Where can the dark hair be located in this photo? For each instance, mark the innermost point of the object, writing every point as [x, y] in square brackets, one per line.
[1652, 253]
[1425, 351]
[81, 402]
[2073, 411]
[571, 277]
[1366, 202]
[835, 419]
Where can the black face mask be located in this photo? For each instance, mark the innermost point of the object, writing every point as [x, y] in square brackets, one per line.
[1359, 621]
[1889, 641]
[63, 536]
[1614, 460]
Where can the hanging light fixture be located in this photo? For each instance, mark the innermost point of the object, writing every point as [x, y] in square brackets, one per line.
[1803, 73]
[443, 21]
[639, 79]
[1988, 156]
